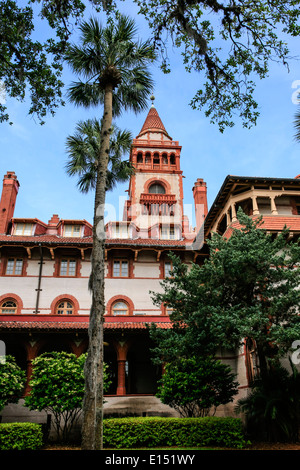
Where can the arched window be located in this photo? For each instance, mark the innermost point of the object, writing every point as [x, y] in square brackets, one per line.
[156, 158]
[8, 306]
[120, 308]
[157, 188]
[65, 307]
[164, 159]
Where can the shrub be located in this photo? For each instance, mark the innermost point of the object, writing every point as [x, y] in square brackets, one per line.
[194, 386]
[20, 436]
[57, 386]
[272, 408]
[12, 381]
[186, 432]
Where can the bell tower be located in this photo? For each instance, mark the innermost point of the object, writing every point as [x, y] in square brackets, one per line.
[155, 205]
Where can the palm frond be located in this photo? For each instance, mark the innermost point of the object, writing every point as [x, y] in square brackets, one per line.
[105, 51]
[83, 150]
[297, 126]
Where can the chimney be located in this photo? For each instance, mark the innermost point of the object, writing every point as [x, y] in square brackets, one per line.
[8, 200]
[52, 225]
[200, 199]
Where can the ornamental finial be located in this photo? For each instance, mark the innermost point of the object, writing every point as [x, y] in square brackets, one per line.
[152, 98]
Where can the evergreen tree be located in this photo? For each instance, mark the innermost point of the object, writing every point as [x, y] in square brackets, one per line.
[247, 288]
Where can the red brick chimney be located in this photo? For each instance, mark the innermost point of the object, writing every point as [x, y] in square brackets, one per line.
[8, 200]
[52, 225]
[200, 198]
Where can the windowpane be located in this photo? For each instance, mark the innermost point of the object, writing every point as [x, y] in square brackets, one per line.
[10, 266]
[124, 269]
[63, 267]
[120, 308]
[19, 264]
[120, 268]
[157, 188]
[72, 268]
[116, 272]
[68, 230]
[23, 229]
[168, 268]
[65, 308]
[67, 267]
[76, 231]
[168, 233]
[72, 230]
[8, 306]
[19, 229]
[164, 233]
[121, 231]
[27, 229]
[14, 266]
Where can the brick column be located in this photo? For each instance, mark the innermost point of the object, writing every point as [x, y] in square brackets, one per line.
[122, 349]
[121, 388]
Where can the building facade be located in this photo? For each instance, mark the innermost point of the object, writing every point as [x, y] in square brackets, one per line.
[45, 266]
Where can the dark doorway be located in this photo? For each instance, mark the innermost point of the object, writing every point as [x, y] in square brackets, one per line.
[142, 374]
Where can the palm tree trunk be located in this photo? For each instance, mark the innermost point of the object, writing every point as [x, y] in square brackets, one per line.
[92, 426]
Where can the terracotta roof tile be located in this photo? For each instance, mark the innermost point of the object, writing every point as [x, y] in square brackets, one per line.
[153, 122]
[48, 325]
[272, 222]
[54, 239]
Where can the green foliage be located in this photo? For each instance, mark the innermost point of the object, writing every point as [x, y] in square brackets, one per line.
[57, 386]
[194, 386]
[29, 66]
[83, 149]
[247, 288]
[187, 432]
[230, 44]
[111, 55]
[12, 381]
[20, 436]
[297, 126]
[272, 408]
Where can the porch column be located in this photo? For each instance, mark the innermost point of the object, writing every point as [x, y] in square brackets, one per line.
[31, 349]
[228, 221]
[122, 349]
[121, 388]
[233, 212]
[273, 205]
[255, 206]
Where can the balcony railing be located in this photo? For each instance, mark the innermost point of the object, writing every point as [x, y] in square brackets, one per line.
[147, 198]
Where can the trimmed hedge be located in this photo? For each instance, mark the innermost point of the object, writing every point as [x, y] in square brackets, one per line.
[20, 436]
[183, 432]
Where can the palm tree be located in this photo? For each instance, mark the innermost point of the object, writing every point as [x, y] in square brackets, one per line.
[114, 68]
[297, 126]
[83, 149]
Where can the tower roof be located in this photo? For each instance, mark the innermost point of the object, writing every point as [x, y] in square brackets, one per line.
[153, 123]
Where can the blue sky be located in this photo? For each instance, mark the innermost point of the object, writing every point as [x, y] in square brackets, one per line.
[37, 153]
